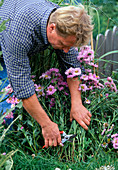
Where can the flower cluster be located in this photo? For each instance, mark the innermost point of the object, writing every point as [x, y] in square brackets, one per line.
[13, 100]
[109, 137]
[73, 72]
[108, 167]
[86, 55]
[89, 82]
[110, 84]
[56, 84]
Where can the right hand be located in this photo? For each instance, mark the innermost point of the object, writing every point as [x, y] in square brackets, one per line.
[51, 134]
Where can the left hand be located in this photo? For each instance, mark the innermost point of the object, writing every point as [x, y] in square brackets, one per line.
[81, 115]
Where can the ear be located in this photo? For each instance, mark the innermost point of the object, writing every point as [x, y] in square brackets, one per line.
[52, 27]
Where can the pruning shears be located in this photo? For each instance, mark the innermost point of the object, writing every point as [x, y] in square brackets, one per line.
[65, 138]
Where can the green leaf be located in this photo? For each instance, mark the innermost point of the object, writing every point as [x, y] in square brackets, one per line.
[2, 26]
[0, 82]
[19, 105]
[1, 68]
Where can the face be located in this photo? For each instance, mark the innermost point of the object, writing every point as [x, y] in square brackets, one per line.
[58, 42]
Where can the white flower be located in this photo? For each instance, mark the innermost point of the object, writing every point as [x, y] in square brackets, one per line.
[106, 168]
[57, 169]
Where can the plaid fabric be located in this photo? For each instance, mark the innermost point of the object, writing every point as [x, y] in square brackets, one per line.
[25, 34]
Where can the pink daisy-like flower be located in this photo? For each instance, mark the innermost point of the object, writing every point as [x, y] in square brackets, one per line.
[114, 135]
[69, 72]
[9, 116]
[72, 72]
[110, 79]
[83, 87]
[38, 88]
[84, 77]
[104, 145]
[45, 76]
[87, 101]
[16, 100]
[41, 93]
[76, 71]
[115, 142]
[80, 58]
[51, 90]
[9, 100]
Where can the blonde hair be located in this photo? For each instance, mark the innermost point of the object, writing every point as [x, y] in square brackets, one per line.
[73, 20]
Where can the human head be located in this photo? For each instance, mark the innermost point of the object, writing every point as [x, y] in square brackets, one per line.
[74, 21]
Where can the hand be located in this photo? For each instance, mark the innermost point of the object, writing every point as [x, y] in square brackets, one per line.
[51, 134]
[81, 115]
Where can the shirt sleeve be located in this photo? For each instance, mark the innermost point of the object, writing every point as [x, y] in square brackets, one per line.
[67, 60]
[15, 52]
[19, 71]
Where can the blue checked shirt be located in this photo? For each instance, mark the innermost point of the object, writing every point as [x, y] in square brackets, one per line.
[25, 35]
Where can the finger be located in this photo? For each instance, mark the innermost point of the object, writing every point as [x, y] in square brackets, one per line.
[83, 125]
[51, 142]
[90, 115]
[88, 118]
[55, 142]
[59, 139]
[87, 121]
[71, 118]
[46, 143]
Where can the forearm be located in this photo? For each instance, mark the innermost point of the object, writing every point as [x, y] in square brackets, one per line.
[73, 85]
[34, 108]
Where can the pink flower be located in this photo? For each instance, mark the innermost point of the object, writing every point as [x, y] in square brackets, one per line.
[9, 100]
[104, 145]
[54, 70]
[66, 93]
[38, 87]
[51, 90]
[41, 93]
[69, 72]
[33, 76]
[88, 70]
[114, 135]
[72, 72]
[52, 102]
[76, 72]
[84, 77]
[115, 142]
[106, 95]
[21, 127]
[16, 100]
[4, 153]
[94, 65]
[110, 79]
[60, 88]
[9, 89]
[9, 116]
[83, 87]
[45, 75]
[103, 132]
[87, 101]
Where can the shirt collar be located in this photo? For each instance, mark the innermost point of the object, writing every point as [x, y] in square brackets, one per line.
[44, 25]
